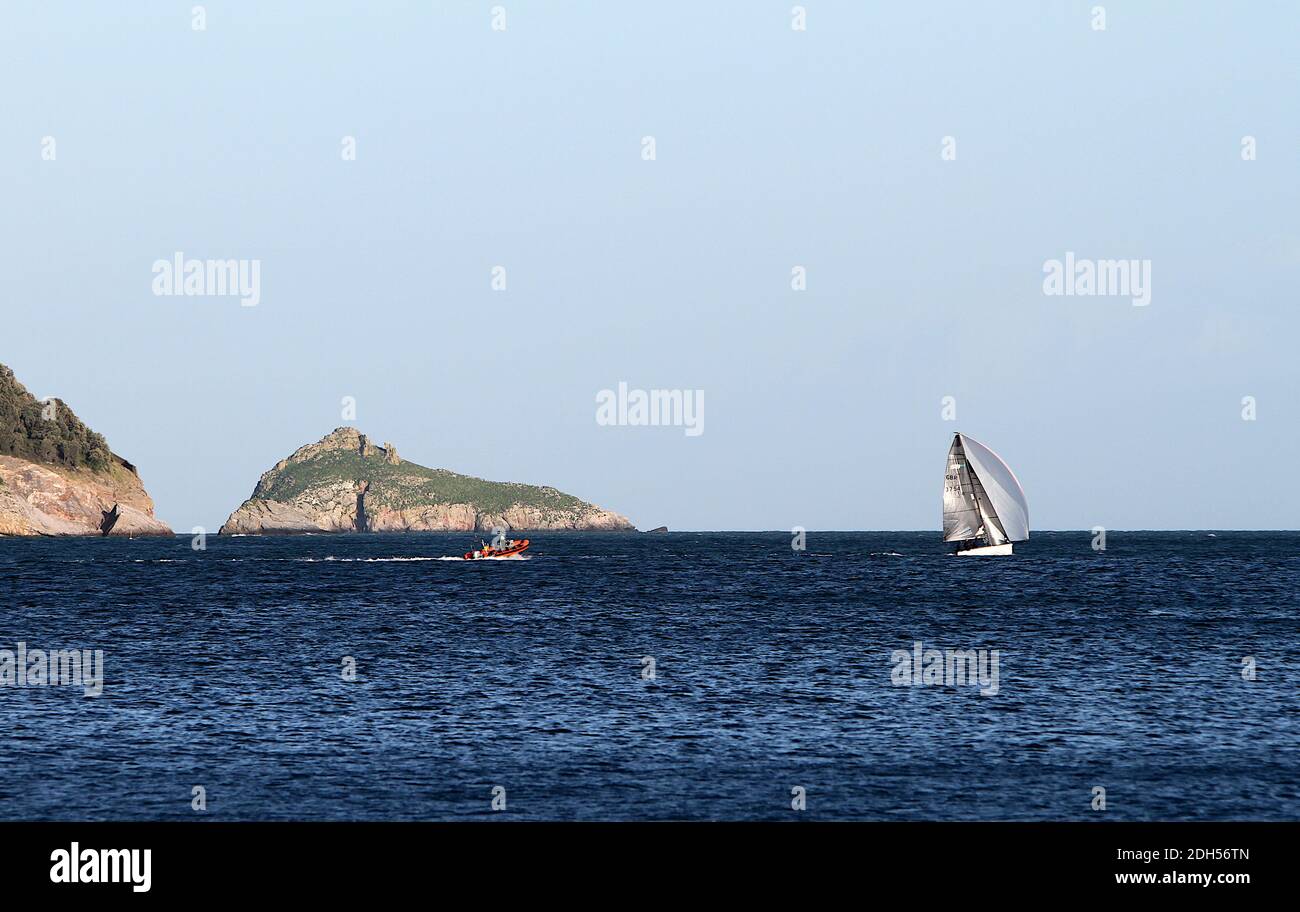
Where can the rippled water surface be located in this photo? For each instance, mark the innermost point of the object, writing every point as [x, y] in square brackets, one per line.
[223, 668]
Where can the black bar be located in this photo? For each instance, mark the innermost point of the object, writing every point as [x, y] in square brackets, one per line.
[334, 860]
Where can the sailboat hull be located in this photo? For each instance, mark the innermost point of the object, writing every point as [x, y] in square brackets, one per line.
[986, 551]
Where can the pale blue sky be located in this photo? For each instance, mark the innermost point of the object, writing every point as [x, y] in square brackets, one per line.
[775, 148]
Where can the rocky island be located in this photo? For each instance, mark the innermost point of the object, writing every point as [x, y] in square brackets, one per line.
[346, 483]
[58, 477]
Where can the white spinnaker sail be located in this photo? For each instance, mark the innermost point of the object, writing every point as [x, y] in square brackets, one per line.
[992, 529]
[1001, 487]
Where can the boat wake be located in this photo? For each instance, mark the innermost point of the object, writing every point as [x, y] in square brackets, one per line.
[361, 560]
[505, 557]
[330, 559]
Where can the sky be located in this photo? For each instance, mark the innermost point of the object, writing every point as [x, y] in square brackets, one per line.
[921, 162]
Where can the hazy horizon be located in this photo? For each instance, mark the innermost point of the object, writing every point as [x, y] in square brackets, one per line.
[825, 149]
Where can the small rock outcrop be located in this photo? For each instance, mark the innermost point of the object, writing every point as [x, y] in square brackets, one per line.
[344, 483]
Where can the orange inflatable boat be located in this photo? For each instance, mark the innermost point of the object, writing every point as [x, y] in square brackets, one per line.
[508, 549]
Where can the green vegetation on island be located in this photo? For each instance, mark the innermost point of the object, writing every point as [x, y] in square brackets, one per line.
[46, 432]
[406, 485]
[346, 483]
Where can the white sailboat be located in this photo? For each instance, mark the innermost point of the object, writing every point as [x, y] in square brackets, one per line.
[984, 507]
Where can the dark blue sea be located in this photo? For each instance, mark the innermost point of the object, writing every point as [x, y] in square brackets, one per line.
[773, 670]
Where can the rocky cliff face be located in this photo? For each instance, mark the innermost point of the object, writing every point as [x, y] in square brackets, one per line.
[345, 483]
[57, 476]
